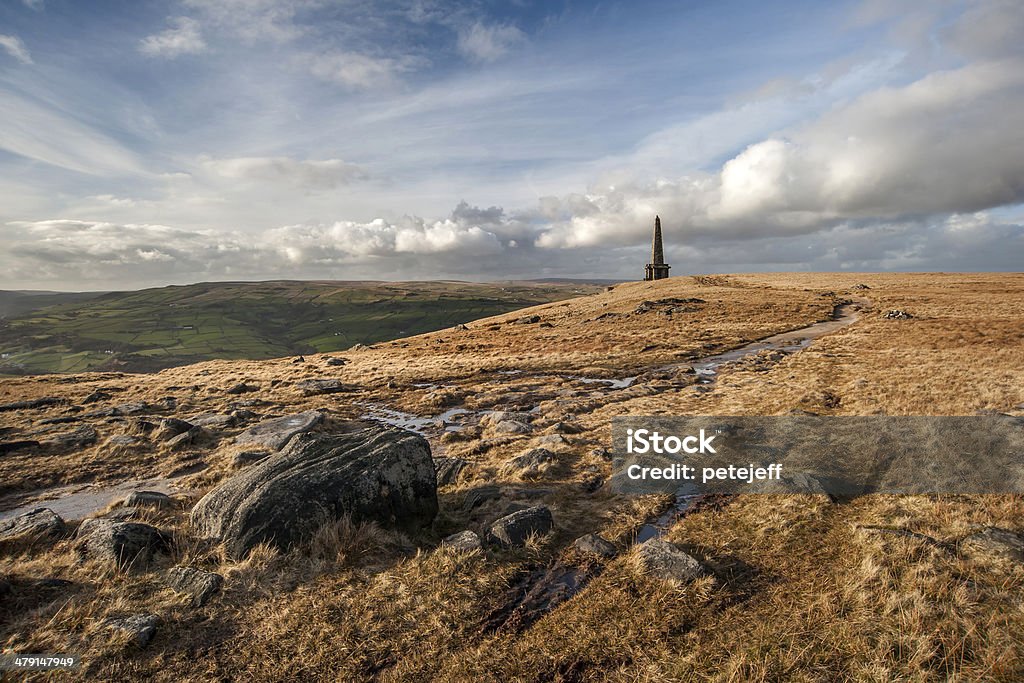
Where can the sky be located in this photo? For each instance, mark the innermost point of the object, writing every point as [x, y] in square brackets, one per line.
[150, 143]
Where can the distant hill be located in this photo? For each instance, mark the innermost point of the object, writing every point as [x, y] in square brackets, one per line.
[152, 329]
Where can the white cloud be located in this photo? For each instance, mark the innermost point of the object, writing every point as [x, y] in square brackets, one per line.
[15, 48]
[304, 174]
[254, 20]
[487, 43]
[354, 70]
[184, 38]
[33, 4]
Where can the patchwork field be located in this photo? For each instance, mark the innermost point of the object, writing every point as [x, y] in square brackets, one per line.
[516, 408]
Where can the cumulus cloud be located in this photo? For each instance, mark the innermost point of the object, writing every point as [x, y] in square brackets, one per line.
[183, 38]
[483, 43]
[14, 46]
[323, 174]
[947, 143]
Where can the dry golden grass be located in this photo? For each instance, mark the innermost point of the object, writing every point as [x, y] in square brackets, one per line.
[803, 590]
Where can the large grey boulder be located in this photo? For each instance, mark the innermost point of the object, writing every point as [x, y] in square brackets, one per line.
[127, 545]
[276, 432]
[196, 583]
[38, 523]
[376, 473]
[664, 560]
[512, 531]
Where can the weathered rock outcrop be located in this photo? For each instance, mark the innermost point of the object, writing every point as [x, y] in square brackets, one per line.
[530, 463]
[996, 543]
[39, 523]
[316, 387]
[276, 432]
[154, 499]
[464, 541]
[375, 473]
[139, 627]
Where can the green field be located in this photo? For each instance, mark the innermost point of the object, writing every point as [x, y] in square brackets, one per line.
[152, 329]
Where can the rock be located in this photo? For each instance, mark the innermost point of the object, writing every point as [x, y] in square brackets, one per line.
[530, 463]
[76, 438]
[171, 427]
[479, 496]
[512, 531]
[997, 543]
[357, 347]
[460, 328]
[335, 361]
[243, 415]
[276, 432]
[592, 544]
[316, 387]
[897, 314]
[860, 286]
[796, 482]
[198, 584]
[248, 457]
[153, 499]
[215, 420]
[33, 404]
[12, 446]
[664, 560]
[131, 408]
[499, 416]
[550, 440]
[527, 320]
[512, 427]
[123, 514]
[464, 541]
[241, 388]
[96, 397]
[141, 627]
[38, 523]
[185, 439]
[448, 470]
[566, 428]
[377, 473]
[126, 545]
[124, 441]
[298, 359]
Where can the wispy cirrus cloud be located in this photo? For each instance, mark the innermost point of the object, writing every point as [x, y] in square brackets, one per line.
[15, 47]
[486, 43]
[184, 37]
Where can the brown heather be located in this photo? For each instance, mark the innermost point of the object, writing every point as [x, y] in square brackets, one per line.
[804, 590]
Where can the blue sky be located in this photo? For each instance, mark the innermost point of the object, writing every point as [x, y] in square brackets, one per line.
[146, 143]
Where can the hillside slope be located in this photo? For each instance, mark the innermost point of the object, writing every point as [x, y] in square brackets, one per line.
[799, 587]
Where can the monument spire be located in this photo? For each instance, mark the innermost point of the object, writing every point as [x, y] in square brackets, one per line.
[657, 269]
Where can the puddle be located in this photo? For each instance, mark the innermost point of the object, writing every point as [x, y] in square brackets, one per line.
[610, 383]
[685, 498]
[78, 501]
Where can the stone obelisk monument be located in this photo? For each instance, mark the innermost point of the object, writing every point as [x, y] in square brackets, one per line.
[657, 269]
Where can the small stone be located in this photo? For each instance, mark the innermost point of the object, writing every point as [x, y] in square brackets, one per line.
[131, 408]
[464, 541]
[185, 439]
[479, 496]
[512, 427]
[530, 463]
[664, 560]
[38, 523]
[141, 627]
[200, 585]
[126, 545]
[897, 314]
[241, 388]
[215, 420]
[512, 531]
[448, 470]
[153, 499]
[171, 427]
[997, 543]
[593, 544]
[316, 387]
[96, 397]
[335, 361]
